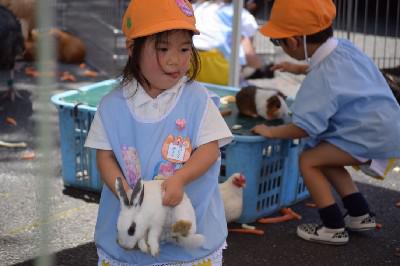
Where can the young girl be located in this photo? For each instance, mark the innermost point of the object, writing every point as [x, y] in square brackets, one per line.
[345, 108]
[160, 123]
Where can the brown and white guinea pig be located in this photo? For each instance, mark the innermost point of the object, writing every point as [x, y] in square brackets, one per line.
[254, 101]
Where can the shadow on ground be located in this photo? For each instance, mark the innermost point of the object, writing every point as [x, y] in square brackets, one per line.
[280, 245]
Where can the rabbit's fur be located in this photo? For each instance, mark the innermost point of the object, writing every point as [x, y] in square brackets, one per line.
[144, 221]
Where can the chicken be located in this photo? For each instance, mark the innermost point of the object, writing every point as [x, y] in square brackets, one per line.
[11, 45]
[232, 195]
[70, 49]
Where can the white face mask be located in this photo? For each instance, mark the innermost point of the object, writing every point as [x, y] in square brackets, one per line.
[305, 49]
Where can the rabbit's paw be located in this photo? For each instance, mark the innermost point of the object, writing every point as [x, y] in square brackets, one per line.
[182, 227]
[143, 246]
[154, 250]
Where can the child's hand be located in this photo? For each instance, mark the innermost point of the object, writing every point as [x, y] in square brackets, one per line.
[290, 67]
[173, 191]
[262, 130]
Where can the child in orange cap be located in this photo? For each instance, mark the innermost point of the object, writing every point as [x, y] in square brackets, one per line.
[344, 108]
[160, 123]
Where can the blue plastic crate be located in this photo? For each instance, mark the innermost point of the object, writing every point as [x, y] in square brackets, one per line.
[270, 166]
[78, 163]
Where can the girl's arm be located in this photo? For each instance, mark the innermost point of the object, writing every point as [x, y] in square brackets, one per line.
[109, 169]
[288, 131]
[200, 161]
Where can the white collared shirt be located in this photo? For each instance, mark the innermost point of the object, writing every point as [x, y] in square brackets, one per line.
[146, 108]
[323, 51]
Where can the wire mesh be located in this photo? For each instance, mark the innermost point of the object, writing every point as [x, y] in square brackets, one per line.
[98, 24]
[372, 25]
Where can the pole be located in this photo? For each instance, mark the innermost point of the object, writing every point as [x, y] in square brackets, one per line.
[234, 69]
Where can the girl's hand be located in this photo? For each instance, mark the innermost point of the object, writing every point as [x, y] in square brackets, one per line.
[173, 188]
[262, 130]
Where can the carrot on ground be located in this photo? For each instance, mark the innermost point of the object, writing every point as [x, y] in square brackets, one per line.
[274, 220]
[28, 155]
[288, 214]
[90, 73]
[247, 231]
[294, 214]
[11, 121]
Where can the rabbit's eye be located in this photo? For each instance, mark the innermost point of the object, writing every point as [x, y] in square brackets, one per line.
[131, 230]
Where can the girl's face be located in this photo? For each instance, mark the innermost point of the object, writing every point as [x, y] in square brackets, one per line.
[165, 64]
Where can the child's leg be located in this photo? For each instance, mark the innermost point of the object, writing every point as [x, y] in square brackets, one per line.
[321, 167]
[325, 159]
[353, 200]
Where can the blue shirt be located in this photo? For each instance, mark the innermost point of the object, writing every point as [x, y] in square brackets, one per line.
[137, 146]
[345, 100]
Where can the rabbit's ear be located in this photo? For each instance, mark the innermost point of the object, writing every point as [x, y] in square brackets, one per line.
[136, 190]
[119, 188]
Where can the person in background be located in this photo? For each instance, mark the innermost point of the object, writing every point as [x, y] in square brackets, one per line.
[159, 122]
[214, 21]
[345, 111]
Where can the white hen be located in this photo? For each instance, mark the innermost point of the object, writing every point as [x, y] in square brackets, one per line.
[232, 195]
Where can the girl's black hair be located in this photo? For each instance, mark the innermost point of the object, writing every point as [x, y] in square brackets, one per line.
[321, 36]
[132, 68]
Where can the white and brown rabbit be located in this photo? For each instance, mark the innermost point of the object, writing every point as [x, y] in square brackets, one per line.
[144, 221]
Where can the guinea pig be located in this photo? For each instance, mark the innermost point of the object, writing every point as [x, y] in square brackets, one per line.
[268, 103]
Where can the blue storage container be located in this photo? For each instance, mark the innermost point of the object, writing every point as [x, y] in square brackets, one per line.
[270, 166]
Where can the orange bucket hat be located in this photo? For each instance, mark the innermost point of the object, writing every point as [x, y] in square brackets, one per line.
[299, 17]
[147, 17]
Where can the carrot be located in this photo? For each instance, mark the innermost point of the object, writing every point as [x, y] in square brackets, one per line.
[274, 220]
[294, 214]
[247, 231]
[30, 71]
[66, 76]
[90, 73]
[288, 214]
[10, 121]
[28, 155]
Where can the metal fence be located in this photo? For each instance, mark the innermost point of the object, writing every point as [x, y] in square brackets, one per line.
[372, 25]
[98, 24]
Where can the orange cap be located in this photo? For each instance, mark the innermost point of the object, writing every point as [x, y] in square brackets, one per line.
[299, 17]
[146, 17]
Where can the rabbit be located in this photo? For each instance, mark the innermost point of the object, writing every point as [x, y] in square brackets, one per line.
[144, 221]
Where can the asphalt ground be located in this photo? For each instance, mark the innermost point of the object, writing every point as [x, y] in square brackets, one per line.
[73, 211]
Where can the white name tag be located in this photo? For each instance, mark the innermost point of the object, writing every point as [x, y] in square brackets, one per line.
[176, 152]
